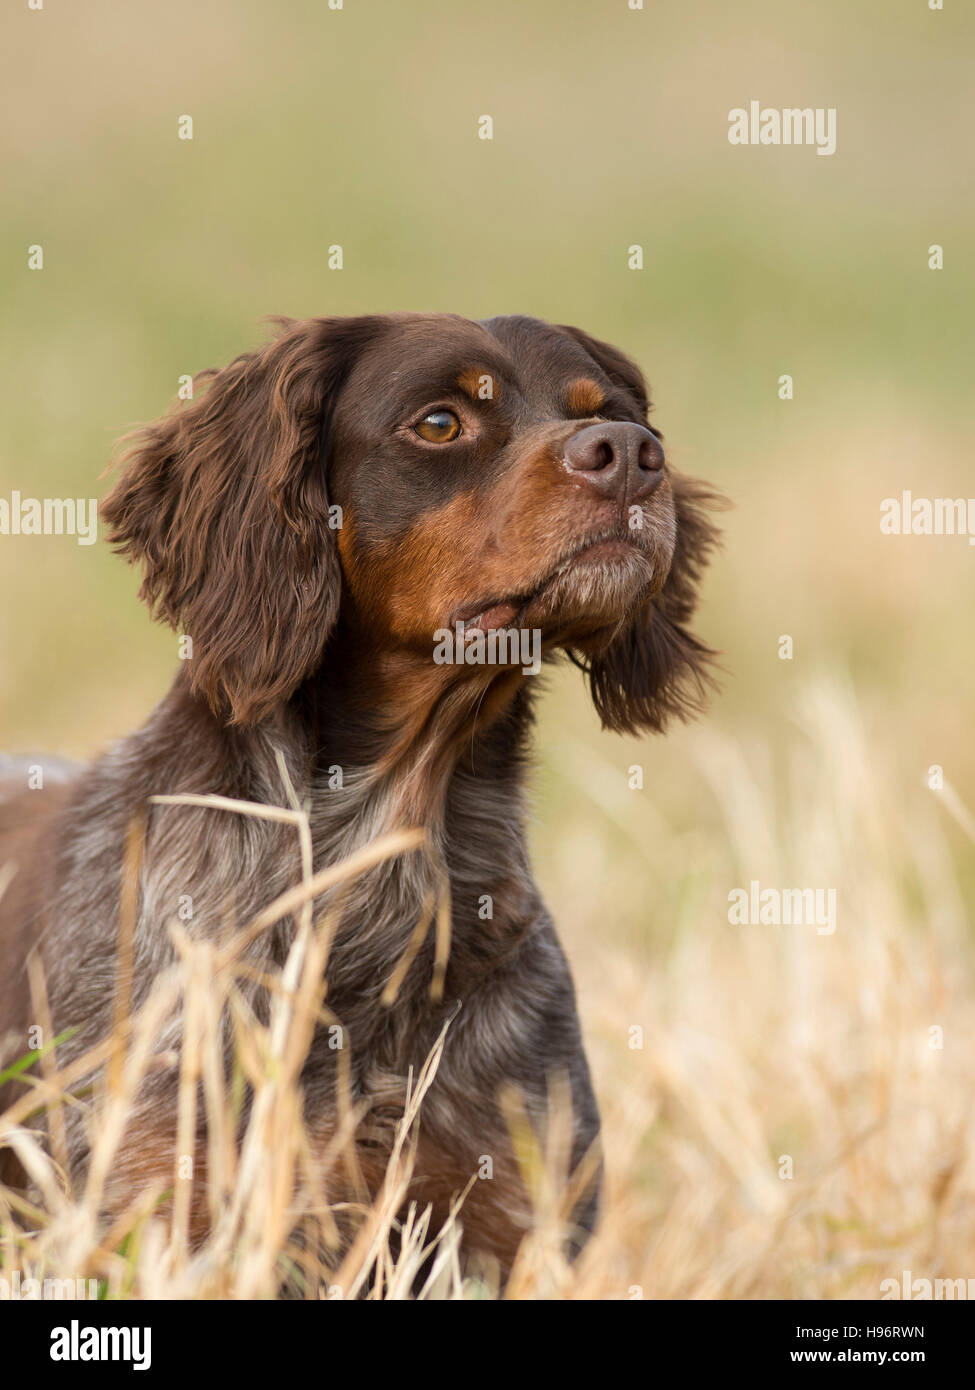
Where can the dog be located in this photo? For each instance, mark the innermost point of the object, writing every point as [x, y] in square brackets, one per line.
[314, 521]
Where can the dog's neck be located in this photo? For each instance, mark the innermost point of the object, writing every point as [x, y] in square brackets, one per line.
[409, 733]
[373, 742]
[393, 744]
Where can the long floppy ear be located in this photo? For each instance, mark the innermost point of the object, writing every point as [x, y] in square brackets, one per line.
[655, 669]
[224, 502]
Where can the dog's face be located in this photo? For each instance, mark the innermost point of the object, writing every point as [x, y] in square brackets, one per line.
[498, 474]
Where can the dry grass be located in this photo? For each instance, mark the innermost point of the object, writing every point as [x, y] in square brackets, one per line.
[758, 1043]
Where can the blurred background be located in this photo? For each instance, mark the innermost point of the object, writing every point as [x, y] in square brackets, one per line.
[358, 127]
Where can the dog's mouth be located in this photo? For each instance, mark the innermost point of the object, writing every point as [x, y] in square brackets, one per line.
[601, 559]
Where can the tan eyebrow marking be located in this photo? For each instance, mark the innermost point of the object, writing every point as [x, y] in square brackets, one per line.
[478, 383]
[584, 396]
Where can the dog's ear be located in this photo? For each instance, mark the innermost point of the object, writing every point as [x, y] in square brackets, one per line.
[224, 502]
[621, 370]
[654, 668]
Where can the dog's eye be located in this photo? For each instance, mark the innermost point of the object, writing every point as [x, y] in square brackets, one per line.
[439, 427]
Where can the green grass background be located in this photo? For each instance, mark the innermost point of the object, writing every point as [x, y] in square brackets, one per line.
[358, 127]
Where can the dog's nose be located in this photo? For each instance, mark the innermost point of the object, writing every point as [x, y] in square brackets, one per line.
[617, 460]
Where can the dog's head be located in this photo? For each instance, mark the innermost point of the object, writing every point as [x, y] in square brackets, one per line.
[414, 473]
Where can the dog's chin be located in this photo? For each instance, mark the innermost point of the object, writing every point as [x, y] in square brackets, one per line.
[591, 591]
[595, 591]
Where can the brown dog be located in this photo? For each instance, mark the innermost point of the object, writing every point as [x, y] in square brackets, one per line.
[331, 515]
